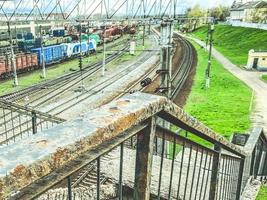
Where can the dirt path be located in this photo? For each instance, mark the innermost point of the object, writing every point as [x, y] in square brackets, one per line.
[252, 79]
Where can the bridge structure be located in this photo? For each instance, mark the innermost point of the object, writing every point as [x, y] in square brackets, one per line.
[116, 147]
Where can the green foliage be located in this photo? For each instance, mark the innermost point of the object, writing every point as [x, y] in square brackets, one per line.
[262, 193]
[220, 107]
[264, 77]
[235, 42]
[220, 13]
[196, 11]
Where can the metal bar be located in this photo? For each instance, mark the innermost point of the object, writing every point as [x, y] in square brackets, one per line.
[69, 188]
[240, 177]
[121, 167]
[227, 178]
[215, 172]
[231, 175]
[188, 170]
[222, 177]
[193, 175]
[258, 160]
[203, 175]
[205, 190]
[143, 164]
[161, 165]
[181, 169]
[98, 179]
[34, 123]
[12, 122]
[199, 172]
[172, 167]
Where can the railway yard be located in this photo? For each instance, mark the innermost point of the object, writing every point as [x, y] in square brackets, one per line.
[114, 102]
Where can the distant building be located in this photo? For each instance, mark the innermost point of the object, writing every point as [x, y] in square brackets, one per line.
[249, 11]
[257, 60]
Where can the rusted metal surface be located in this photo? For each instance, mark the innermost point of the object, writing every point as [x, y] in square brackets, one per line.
[69, 146]
[144, 155]
[47, 151]
[179, 117]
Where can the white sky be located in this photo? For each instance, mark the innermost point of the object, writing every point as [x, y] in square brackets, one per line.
[182, 4]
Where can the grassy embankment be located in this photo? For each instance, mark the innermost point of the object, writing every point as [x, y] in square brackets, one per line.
[57, 70]
[262, 193]
[264, 77]
[235, 42]
[225, 106]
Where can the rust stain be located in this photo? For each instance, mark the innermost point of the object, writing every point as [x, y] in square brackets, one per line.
[114, 109]
[123, 102]
[42, 143]
[19, 170]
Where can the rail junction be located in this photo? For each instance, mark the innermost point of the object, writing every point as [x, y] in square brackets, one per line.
[110, 130]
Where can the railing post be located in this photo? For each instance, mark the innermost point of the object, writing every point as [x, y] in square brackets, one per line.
[34, 122]
[240, 179]
[215, 172]
[143, 165]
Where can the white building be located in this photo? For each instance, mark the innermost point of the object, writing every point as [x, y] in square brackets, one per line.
[257, 60]
[249, 11]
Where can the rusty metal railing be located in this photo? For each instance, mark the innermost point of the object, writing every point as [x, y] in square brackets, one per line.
[199, 164]
[17, 121]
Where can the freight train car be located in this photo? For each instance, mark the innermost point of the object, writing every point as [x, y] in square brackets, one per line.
[24, 62]
[52, 54]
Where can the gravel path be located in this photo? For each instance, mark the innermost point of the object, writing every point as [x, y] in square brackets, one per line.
[252, 79]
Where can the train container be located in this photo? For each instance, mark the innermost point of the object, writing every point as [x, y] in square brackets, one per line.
[19, 62]
[24, 61]
[52, 54]
[95, 37]
[34, 59]
[58, 33]
[2, 65]
[74, 49]
[29, 60]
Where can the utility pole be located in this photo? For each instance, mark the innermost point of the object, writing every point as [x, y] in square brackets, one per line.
[13, 62]
[104, 52]
[43, 56]
[211, 30]
[166, 33]
[80, 57]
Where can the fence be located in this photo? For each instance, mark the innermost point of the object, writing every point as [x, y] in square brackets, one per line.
[16, 121]
[249, 25]
[128, 160]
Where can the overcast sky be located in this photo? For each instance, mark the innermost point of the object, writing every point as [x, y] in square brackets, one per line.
[210, 3]
[26, 5]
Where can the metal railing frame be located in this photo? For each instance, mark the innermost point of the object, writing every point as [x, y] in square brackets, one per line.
[218, 171]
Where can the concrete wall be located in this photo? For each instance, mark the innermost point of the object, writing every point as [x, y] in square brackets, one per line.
[248, 25]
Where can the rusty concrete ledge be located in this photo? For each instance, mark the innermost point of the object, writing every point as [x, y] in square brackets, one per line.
[23, 163]
[34, 157]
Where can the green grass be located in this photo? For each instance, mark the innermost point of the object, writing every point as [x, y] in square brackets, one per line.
[264, 77]
[262, 193]
[235, 42]
[225, 106]
[51, 73]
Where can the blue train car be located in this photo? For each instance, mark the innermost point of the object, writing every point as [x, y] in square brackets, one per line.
[73, 49]
[52, 54]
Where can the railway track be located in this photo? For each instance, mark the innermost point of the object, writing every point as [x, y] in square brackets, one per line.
[58, 82]
[178, 81]
[42, 103]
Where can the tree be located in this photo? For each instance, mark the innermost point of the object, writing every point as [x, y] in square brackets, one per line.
[220, 13]
[196, 11]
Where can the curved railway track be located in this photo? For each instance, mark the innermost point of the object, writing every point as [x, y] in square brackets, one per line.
[178, 80]
[87, 176]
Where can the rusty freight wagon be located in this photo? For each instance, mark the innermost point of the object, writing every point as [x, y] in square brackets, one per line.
[24, 62]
